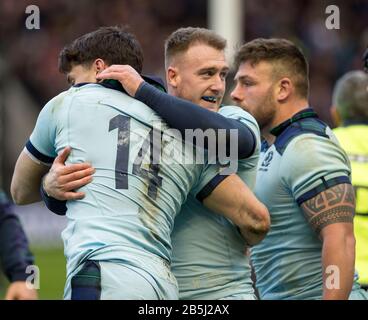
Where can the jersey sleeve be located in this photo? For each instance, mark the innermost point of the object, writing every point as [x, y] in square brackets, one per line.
[41, 144]
[214, 174]
[175, 112]
[313, 164]
[236, 113]
[208, 180]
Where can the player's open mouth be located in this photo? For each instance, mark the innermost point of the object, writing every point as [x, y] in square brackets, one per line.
[210, 99]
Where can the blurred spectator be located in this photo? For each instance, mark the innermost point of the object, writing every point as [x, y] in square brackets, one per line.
[15, 256]
[32, 54]
[350, 111]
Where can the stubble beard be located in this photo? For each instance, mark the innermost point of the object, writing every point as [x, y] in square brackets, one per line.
[265, 112]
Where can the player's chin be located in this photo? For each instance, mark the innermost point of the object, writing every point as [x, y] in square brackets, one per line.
[214, 107]
[211, 106]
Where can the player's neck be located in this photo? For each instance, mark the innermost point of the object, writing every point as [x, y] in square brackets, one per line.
[284, 112]
[89, 77]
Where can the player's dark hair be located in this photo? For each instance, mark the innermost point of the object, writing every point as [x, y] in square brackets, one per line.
[180, 40]
[286, 59]
[114, 45]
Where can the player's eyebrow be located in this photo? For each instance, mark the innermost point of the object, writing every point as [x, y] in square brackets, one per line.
[213, 70]
[244, 78]
[204, 70]
[225, 69]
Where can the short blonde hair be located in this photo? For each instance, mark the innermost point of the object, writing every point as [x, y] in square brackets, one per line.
[180, 41]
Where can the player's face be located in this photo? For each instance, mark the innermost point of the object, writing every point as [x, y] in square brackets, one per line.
[199, 76]
[254, 92]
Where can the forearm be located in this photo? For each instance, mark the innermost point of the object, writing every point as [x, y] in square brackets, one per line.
[338, 256]
[181, 115]
[253, 218]
[255, 223]
[330, 214]
[233, 199]
[26, 180]
[25, 191]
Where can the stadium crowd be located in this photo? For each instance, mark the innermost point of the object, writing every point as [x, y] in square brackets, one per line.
[32, 54]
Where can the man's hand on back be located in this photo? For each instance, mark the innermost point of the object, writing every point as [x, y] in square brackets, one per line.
[62, 180]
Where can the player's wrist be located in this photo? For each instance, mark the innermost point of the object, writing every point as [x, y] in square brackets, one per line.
[44, 186]
[139, 88]
[53, 204]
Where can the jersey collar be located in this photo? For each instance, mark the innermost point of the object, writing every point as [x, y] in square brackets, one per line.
[303, 114]
[81, 84]
[109, 83]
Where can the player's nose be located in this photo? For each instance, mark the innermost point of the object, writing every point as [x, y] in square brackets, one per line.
[218, 87]
[235, 94]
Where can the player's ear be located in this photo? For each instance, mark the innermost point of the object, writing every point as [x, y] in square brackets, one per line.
[335, 116]
[99, 65]
[284, 89]
[172, 76]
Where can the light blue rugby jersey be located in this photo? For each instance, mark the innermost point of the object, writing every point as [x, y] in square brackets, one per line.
[208, 252]
[129, 209]
[305, 160]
